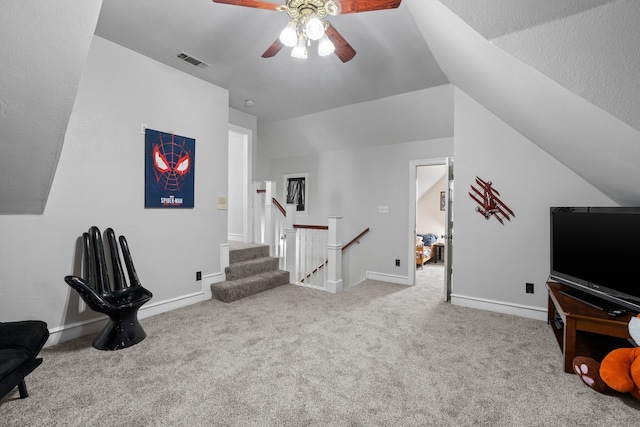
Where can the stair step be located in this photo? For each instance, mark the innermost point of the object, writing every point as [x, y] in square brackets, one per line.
[241, 269]
[247, 252]
[233, 290]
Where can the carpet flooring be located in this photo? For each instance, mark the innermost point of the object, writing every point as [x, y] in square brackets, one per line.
[378, 354]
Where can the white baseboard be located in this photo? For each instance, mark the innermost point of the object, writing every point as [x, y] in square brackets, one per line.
[75, 330]
[384, 277]
[93, 326]
[235, 237]
[529, 312]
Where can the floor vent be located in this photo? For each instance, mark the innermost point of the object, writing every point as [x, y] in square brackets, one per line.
[191, 60]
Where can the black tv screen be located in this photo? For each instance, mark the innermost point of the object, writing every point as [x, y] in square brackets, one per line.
[596, 250]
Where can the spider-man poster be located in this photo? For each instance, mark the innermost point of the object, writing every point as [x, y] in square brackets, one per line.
[169, 170]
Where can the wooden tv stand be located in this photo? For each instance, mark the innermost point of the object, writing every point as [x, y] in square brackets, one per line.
[584, 330]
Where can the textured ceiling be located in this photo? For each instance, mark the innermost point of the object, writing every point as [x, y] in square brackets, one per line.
[590, 47]
[39, 75]
[392, 57]
[494, 18]
[549, 65]
[594, 137]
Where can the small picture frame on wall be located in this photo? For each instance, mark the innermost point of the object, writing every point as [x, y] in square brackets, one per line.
[443, 200]
[295, 191]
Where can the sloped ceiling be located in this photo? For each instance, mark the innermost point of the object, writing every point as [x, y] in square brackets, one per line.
[428, 177]
[562, 101]
[44, 47]
[495, 18]
[561, 72]
[419, 115]
[590, 47]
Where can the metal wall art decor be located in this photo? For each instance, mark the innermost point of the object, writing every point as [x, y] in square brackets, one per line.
[169, 170]
[490, 205]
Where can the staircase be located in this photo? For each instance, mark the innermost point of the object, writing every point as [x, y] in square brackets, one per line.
[251, 270]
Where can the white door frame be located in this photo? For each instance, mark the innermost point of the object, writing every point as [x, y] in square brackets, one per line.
[411, 229]
[247, 180]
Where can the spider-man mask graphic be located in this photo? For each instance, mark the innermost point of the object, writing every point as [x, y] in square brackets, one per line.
[169, 170]
[171, 162]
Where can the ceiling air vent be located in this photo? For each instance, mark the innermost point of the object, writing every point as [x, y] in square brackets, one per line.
[191, 60]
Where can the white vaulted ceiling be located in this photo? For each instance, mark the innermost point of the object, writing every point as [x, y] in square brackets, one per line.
[549, 84]
[43, 48]
[564, 73]
[590, 47]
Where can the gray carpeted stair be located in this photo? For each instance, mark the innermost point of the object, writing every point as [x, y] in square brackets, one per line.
[251, 270]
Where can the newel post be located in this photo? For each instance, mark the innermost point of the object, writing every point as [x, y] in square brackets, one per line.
[334, 256]
[290, 244]
[269, 219]
[257, 213]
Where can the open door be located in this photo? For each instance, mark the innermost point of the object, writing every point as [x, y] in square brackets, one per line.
[448, 237]
[240, 186]
[426, 177]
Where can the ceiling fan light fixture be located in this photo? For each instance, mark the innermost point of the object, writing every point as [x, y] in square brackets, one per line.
[300, 50]
[315, 28]
[332, 8]
[325, 46]
[289, 36]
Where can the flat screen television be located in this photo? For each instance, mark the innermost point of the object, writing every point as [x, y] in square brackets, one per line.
[596, 251]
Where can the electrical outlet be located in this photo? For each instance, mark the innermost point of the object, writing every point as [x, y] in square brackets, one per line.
[397, 263]
[529, 288]
[198, 275]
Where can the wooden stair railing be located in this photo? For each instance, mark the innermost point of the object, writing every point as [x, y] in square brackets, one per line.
[275, 202]
[314, 227]
[279, 206]
[323, 227]
[356, 239]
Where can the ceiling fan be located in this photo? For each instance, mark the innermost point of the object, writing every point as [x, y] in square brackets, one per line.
[307, 22]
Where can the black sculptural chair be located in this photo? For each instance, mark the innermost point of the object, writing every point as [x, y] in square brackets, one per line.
[122, 302]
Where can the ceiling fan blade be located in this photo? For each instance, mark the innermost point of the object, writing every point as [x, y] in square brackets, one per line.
[344, 51]
[257, 4]
[355, 6]
[273, 49]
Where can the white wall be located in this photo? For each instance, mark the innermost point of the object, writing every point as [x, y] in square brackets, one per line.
[235, 194]
[100, 181]
[353, 184]
[246, 124]
[492, 261]
[358, 158]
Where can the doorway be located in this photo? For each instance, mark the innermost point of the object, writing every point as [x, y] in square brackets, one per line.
[239, 183]
[430, 223]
